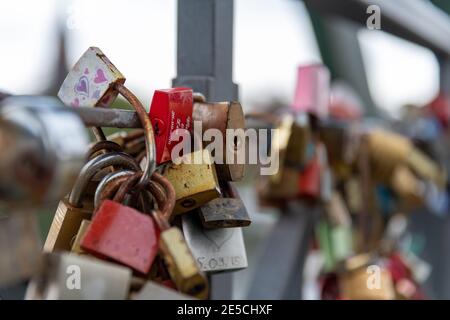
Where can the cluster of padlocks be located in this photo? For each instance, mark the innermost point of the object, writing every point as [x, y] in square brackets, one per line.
[119, 227]
[133, 223]
[365, 179]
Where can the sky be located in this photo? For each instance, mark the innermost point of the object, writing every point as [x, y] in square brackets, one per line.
[139, 37]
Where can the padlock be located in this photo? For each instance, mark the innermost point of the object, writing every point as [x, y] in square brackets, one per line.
[171, 109]
[195, 184]
[224, 116]
[309, 180]
[65, 276]
[407, 186]
[71, 211]
[46, 145]
[355, 280]
[123, 234]
[426, 168]
[291, 141]
[312, 92]
[91, 81]
[225, 212]
[154, 291]
[386, 151]
[273, 193]
[76, 246]
[335, 233]
[20, 245]
[178, 258]
[215, 250]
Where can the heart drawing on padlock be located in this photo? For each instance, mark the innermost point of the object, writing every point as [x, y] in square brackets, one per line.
[82, 86]
[100, 76]
[219, 236]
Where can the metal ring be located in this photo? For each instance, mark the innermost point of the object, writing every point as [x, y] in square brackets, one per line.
[103, 145]
[109, 185]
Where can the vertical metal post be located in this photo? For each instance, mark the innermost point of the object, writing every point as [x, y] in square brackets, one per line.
[280, 271]
[205, 48]
[205, 64]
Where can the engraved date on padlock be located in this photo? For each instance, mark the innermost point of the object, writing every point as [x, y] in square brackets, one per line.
[220, 263]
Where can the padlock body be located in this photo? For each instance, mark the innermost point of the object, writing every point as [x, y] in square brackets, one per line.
[353, 285]
[76, 246]
[123, 234]
[215, 250]
[65, 225]
[224, 213]
[309, 180]
[171, 109]
[181, 264]
[194, 184]
[224, 116]
[91, 81]
[312, 93]
[67, 276]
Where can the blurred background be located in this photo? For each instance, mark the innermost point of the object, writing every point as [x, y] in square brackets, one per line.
[41, 40]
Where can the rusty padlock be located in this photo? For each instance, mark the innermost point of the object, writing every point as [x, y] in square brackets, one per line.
[227, 211]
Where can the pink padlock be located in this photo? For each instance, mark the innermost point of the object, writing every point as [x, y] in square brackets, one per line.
[312, 93]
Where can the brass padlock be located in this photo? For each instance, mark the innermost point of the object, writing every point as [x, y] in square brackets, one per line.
[407, 186]
[363, 280]
[272, 192]
[195, 184]
[76, 248]
[386, 151]
[180, 263]
[65, 276]
[225, 212]
[72, 211]
[426, 168]
[222, 116]
[291, 140]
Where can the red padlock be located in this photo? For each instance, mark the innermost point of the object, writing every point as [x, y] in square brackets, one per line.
[124, 235]
[171, 109]
[309, 179]
[312, 93]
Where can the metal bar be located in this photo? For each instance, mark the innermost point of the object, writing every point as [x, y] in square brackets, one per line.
[417, 21]
[103, 117]
[280, 271]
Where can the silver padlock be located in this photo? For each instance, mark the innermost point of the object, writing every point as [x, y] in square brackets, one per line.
[214, 250]
[65, 276]
[46, 146]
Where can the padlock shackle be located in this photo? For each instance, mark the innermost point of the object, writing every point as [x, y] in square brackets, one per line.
[92, 167]
[148, 129]
[103, 145]
[109, 185]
